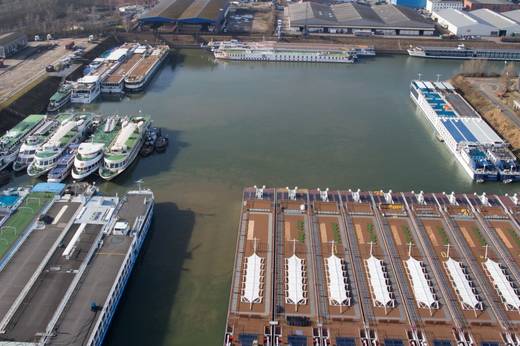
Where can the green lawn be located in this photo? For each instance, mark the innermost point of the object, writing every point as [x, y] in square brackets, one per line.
[22, 218]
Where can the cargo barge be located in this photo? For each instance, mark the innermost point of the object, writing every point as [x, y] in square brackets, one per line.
[321, 267]
[278, 52]
[83, 247]
[476, 146]
[141, 73]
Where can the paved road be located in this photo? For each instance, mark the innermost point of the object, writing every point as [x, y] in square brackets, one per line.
[489, 90]
[29, 65]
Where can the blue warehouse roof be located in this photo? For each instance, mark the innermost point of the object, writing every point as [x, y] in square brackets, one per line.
[186, 11]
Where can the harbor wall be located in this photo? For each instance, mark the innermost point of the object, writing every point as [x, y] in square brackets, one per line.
[383, 45]
[34, 99]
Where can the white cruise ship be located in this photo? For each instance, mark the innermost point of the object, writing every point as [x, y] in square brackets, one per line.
[469, 138]
[13, 139]
[124, 149]
[36, 140]
[88, 88]
[274, 51]
[85, 89]
[464, 53]
[71, 131]
[90, 153]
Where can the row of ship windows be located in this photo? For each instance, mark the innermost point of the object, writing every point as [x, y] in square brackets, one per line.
[117, 165]
[47, 162]
[290, 57]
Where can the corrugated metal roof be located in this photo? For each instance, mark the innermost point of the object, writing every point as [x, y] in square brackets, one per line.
[494, 19]
[514, 15]
[184, 10]
[357, 15]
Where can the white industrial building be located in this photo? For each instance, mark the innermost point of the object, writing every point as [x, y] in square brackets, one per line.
[438, 5]
[351, 18]
[483, 22]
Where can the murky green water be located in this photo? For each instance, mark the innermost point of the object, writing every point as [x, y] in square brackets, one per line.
[238, 124]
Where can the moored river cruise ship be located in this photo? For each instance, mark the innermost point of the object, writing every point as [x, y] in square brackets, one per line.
[275, 52]
[465, 53]
[476, 146]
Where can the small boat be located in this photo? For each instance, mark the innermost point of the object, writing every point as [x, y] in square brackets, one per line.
[161, 144]
[64, 166]
[147, 150]
[60, 98]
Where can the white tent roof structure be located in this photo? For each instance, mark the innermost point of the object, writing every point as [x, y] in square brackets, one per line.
[295, 283]
[502, 284]
[378, 282]
[253, 273]
[422, 288]
[462, 284]
[337, 281]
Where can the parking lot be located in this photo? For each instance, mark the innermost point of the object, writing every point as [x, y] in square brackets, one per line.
[250, 18]
[27, 68]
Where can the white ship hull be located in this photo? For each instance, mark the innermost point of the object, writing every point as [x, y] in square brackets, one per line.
[100, 329]
[85, 98]
[270, 57]
[435, 123]
[83, 169]
[130, 159]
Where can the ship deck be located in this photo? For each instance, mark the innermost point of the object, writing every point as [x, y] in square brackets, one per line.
[123, 70]
[60, 271]
[393, 227]
[143, 66]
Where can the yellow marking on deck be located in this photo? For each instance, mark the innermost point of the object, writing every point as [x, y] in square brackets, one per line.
[429, 230]
[395, 232]
[287, 230]
[359, 233]
[503, 236]
[323, 232]
[467, 236]
[250, 229]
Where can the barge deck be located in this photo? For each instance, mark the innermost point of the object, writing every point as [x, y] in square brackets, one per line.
[368, 268]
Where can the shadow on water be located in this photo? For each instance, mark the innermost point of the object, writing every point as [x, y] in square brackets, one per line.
[143, 316]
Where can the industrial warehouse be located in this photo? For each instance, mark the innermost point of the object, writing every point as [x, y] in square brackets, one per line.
[345, 268]
[483, 22]
[352, 18]
[187, 15]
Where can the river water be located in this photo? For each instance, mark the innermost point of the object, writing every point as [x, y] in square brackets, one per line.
[239, 124]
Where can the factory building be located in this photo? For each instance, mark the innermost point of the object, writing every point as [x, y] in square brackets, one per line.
[353, 18]
[11, 43]
[494, 5]
[409, 3]
[438, 5]
[187, 15]
[481, 22]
